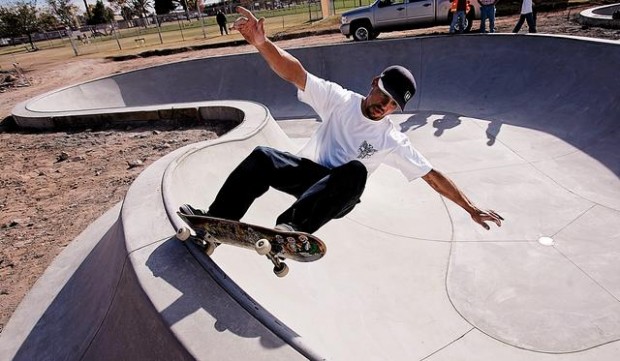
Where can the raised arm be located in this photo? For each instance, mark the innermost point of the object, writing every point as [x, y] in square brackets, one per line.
[448, 189]
[280, 61]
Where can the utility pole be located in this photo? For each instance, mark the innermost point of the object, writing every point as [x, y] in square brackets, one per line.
[186, 10]
[87, 9]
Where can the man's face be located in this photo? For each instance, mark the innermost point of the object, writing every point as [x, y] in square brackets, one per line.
[377, 103]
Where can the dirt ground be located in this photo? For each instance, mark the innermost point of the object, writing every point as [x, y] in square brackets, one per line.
[53, 185]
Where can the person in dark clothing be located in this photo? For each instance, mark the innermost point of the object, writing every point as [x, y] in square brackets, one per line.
[221, 21]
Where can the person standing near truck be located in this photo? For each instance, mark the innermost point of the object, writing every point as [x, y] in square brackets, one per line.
[459, 14]
[487, 11]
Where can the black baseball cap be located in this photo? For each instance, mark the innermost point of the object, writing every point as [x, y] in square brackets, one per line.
[398, 82]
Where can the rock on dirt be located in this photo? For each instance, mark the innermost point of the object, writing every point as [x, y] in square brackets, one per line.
[53, 185]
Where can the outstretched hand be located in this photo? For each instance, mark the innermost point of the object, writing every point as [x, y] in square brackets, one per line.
[250, 27]
[482, 216]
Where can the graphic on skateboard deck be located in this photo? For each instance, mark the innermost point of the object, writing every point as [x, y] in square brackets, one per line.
[275, 244]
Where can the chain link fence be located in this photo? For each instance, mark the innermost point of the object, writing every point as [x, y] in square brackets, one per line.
[173, 30]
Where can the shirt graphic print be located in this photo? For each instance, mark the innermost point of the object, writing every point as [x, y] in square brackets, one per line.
[366, 150]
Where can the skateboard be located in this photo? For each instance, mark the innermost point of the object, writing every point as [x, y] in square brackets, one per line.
[276, 245]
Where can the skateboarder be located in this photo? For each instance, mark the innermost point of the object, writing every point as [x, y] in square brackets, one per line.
[328, 176]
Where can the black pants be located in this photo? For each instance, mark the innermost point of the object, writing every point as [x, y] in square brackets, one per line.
[531, 22]
[223, 29]
[322, 193]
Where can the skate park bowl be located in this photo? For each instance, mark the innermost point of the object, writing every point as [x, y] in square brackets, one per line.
[524, 124]
[601, 16]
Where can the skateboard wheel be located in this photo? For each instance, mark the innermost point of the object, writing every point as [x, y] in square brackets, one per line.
[183, 233]
[262, 247]
[209, 248]
[281, 271]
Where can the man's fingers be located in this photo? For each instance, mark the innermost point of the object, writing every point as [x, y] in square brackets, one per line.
[484, 225]
[497, 218]
[239, 22]
[490, 215]
[245, 12]
[246, 16]
[496, 215]
[260, 26]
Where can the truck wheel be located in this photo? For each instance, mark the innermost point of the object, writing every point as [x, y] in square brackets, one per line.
[362, 32]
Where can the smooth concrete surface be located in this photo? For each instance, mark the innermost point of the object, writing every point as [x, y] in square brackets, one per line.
[524, 124]
[601, 16]
[132, 291]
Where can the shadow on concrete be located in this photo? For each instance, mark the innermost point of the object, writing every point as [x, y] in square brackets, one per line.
[111, 313]
[216, 303]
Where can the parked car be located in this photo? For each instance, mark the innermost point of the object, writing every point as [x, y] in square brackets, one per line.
[367, 22]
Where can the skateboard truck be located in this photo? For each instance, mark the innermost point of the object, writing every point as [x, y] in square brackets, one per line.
[262, 247]
[206, 241]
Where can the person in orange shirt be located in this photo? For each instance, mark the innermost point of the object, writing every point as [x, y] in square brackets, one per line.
[460, 10]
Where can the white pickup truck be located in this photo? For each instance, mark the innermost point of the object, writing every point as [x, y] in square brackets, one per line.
[365, 23]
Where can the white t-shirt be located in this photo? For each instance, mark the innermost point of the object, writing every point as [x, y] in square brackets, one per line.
[346, 134]
[526, 7]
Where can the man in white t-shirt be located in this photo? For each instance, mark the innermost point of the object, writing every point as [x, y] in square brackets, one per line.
[527, 14]
[328, 176]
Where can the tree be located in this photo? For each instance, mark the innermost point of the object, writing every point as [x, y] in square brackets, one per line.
[164, 6]
[20, 19]
[7, 21]
[127, 12]
[100, 15]
[65, 11]
[124, 7]
[47, 21]
[87, 10]
[140, 8]
[119, 5]
[195, 5]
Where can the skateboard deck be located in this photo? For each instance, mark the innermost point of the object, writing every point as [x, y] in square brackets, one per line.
[275, 244]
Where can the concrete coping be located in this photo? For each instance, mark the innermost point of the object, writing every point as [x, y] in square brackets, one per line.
[152, 200]
[600, 16]
[176, 114]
